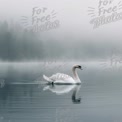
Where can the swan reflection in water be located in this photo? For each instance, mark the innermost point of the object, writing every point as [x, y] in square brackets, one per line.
[75, 92]
[2, 83]
[63, 89]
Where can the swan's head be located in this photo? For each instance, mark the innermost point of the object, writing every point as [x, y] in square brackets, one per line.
[78, 66]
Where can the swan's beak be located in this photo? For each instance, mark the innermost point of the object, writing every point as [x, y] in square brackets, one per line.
[81, 69]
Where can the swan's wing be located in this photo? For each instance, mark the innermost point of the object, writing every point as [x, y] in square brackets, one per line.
[47, 78]
[61, 77]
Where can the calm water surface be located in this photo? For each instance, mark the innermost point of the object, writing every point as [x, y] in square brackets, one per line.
[25, 99]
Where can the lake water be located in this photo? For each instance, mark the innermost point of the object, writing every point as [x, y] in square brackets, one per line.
[24, 97]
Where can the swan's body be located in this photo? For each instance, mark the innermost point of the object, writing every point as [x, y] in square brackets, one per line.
[60, 78]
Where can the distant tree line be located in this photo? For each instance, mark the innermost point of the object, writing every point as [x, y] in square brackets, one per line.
[18, 44]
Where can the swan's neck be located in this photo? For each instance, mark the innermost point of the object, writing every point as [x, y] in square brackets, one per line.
[76, 77]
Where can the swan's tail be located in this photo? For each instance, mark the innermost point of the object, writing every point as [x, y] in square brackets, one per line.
[47, 79]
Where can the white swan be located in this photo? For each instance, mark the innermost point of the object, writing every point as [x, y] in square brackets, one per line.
[60, 78]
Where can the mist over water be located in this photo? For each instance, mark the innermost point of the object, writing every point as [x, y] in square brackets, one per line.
[24, 45]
